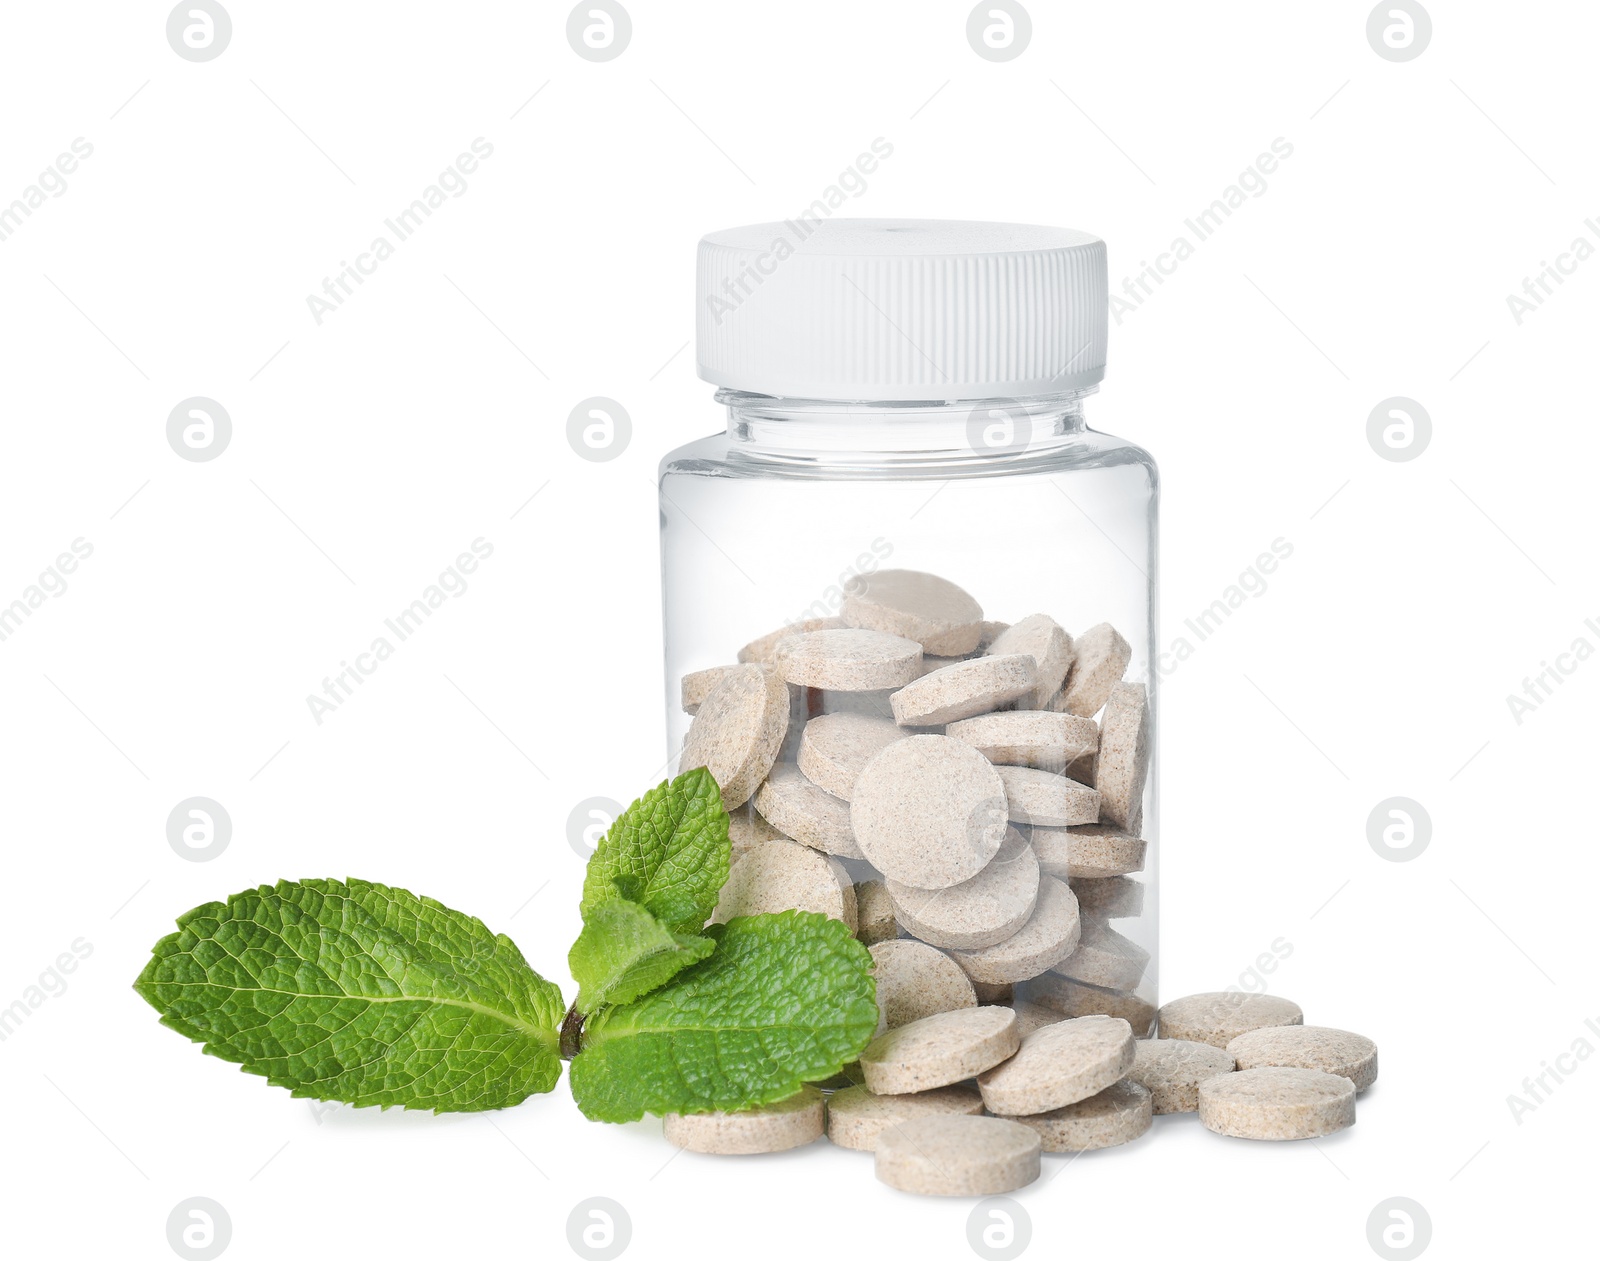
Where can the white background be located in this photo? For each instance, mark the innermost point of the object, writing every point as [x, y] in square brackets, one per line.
[370, 450]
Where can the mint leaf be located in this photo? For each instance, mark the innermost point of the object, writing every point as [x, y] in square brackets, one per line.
[784, 999]
[357, 992]
[624, 952]
[668, 852]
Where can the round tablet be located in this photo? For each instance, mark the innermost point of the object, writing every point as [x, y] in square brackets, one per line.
[765, 649]
[857, 1117]
[1116, 897]
[1100, 656]
[1221, 1016]
[1124, 757]
[1050, 800]
[798, 808]
[1029, 737]
[939, 1050]
[782, 876]
[1118, 1114]
[935, 612]
[1277, 1103]
[1049, 936]
[875, 919]
[970, 687]
[1059, 1064]
[958, 1155]
[1041, 638]
[1073, 999]
[1105, 957]
[777, 1127]
[696, 686]
[1309, 1046]
[915, 980]
[1091, 851]
[982, 911]
[929, 811]
[849, 660]
[834, 748]
[738, 730]
[1171, 1069]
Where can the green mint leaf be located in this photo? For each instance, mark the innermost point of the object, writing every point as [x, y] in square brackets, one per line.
[668, 851]
[624, 952]
[357, 992]
[784, 999]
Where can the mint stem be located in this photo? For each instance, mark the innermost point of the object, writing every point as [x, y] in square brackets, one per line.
[572, 1032]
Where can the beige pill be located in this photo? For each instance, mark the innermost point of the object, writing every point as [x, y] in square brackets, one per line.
[738, 730]
[1277, 1103]
[875, 919]
[962, 690]
[1124, 757]
[1074, 999]
[1049, 800]
[982, 911]
[1059, 1064]
[1091, 851]
[958, 1155]
[783, 876]
[1100, 656]
[991, 994]
[1220, 1016]
[849, 660]
[1028, 737]
[1105, 957]
[834, 748]
[697, 685]
[764, 650]
[857, 1118]
[1031, 1016]
[747, 828]
[1118, 1114]
[929, 811]
[939, 1050]
[1050, 647]
[915, 980]
[1049, 936]
[777, 1127]
[935, 612]
[1309, 1046]
[1116, 897]
[1171, 1069]
[798, 808]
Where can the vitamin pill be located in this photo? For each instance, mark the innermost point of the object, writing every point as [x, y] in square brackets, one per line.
[738, 730]
[915, 980]
[982, 911]
[939, 1050]
[1075, 999]
[834, 748]
[1221, 1016]
[875, 919]
[1100, 656]
[1091, 851]
[1040, 797]
[1050, 647]
[1115, 897]
[747, 828]
[764, 650]
[697, 686]
[1031, 1016]
[971, 687]
[1277, 1103]
[1059, 1064]
[935, 612]
[1105, 957]
[798, 808]
[1029, 737]
[1309, 1046]
[958, 1155]
[1171, 1069]
[1049, 936]
[783, 876]
[778, 1127]
[849, 660]
[857, 1117]
[1118, 1114]
[929, 811]
[1124, 757]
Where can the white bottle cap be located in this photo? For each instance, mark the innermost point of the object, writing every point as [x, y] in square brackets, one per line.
[910, 309]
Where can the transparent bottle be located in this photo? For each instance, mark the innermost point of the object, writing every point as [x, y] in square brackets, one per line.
[909, 396]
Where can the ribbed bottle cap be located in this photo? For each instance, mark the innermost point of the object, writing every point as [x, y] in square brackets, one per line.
[913, 309]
